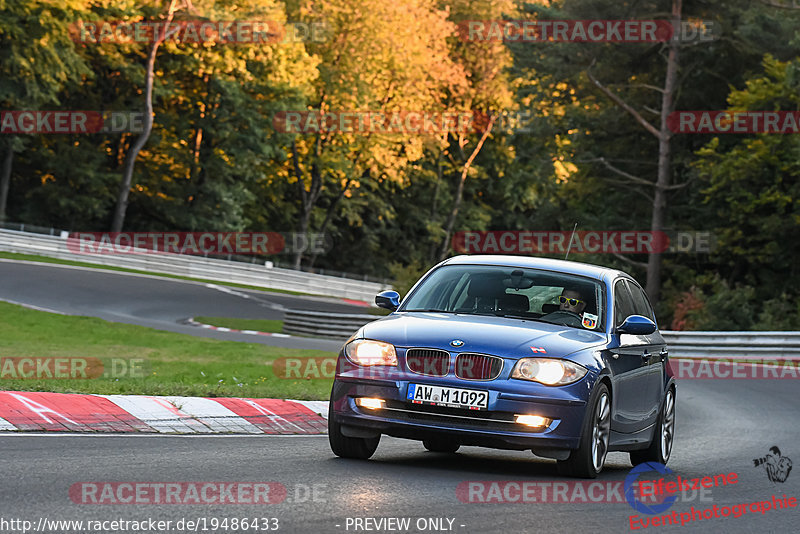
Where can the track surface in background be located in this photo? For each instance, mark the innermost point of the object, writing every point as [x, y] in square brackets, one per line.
[157, 302]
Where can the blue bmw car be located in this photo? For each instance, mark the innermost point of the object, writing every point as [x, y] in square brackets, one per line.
[557, 357]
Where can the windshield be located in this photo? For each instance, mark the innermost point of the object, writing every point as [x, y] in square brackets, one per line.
[515, 292]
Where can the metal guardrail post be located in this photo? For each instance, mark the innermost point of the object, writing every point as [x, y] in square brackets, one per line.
[323, 324]
[733, 345]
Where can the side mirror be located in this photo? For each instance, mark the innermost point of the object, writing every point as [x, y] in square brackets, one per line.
[389, 300]
[637, 325]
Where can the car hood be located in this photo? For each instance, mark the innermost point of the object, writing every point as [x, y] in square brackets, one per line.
[499, 336]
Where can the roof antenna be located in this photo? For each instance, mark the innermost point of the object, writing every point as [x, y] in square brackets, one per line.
[570, 240]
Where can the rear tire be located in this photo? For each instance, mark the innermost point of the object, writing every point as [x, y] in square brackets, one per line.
[345, 446]
[660, 447]
[441, 445]
[588, 459]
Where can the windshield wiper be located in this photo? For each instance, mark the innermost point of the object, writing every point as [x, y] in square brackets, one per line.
[431, 310]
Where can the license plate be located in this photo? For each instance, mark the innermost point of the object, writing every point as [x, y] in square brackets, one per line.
[446, 396]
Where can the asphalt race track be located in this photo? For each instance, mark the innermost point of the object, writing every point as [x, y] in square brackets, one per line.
[722, 426]
[155, 302]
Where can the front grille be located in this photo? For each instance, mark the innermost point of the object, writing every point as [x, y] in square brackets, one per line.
[428, 362]
[478, 366]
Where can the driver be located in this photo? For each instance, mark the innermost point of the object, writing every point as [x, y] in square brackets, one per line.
[571, 301]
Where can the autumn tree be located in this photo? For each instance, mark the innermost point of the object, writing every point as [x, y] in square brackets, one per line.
[382, 57]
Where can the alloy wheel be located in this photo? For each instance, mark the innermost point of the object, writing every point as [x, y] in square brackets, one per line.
[601, 432]
[668, 425]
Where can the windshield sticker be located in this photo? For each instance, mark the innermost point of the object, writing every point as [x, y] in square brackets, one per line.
[539, 349]
[589, 320]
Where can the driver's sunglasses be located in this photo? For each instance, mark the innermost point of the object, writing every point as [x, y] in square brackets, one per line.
[572, 302]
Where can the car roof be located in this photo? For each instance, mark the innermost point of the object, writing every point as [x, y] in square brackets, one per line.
[562, 266]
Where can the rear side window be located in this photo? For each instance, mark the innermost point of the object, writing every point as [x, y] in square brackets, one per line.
[623, 307]
[641, 306]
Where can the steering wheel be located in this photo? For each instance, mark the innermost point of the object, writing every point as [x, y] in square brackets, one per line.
[564, 317]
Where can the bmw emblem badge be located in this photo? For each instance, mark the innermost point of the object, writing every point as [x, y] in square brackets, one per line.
[457, 343]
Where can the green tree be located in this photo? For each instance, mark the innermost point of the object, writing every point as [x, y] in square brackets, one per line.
[37, 59]
[752, 184]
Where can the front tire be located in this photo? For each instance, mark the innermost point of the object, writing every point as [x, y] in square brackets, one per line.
[588, 459]
[660, 447]
[345, 446]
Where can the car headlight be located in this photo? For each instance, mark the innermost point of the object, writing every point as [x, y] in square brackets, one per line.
[370, 352]
[548, 371]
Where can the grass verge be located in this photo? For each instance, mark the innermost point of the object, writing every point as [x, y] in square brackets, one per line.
[173, 364]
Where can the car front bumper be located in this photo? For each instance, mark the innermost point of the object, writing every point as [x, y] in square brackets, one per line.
[494, 427]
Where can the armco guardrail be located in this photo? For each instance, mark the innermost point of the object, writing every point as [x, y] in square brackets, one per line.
[335, 325]
[196, 267]
[738, 345]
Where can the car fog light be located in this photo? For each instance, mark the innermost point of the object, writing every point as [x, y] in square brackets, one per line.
[372, 404]
[532, 420]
